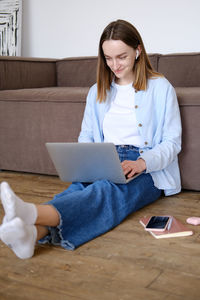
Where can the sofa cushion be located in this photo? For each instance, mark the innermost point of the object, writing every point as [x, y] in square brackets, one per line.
[182, 70]
[52, 94]
[19, 73]
[188, 96]
[154, 60]
[79, 71]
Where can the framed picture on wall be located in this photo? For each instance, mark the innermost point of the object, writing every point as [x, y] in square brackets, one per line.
[10, 27]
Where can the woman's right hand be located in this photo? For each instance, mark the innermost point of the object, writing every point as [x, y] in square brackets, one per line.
[132, 167]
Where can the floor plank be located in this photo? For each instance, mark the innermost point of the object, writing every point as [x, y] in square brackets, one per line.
[125, 263]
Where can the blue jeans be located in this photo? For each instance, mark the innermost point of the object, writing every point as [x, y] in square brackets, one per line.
[88, 210]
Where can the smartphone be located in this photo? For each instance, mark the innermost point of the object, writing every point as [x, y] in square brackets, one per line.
[157, 223]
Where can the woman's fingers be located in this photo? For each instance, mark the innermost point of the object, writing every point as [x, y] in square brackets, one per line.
[128, 168]
[132, 167]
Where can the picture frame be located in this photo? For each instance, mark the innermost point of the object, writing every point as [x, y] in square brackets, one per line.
[10, 27]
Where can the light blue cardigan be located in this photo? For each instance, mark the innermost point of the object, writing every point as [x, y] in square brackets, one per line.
[159, 123]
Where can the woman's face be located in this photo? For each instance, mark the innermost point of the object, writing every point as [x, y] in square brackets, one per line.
[120, 58]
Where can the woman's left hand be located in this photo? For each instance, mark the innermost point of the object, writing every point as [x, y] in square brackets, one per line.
[131, 167]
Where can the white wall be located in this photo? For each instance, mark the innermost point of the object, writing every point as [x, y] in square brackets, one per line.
[64, 28]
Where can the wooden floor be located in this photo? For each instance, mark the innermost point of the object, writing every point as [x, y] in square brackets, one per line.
[125, 263]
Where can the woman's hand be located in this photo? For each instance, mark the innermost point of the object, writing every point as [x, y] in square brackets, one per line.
[132, 167]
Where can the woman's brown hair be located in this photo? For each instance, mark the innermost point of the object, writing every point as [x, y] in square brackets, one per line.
[127, 33]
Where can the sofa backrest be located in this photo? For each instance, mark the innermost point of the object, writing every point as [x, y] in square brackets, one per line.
[81, 71]
[78, 71]
[20, 73]
[181, 69]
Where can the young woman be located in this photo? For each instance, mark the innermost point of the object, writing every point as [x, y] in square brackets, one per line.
[133, 107]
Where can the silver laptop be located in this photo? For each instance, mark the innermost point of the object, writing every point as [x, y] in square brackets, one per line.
[87, 162]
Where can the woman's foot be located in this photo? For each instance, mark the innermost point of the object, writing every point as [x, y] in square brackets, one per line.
[16, 207]
[20, 237]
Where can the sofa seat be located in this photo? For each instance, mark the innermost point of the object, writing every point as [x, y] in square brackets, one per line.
[189, 103]
[33, 117]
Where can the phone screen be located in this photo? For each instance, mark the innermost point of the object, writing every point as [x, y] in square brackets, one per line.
[157, 223]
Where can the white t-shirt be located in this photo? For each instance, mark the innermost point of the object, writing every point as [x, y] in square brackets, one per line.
[120, 124]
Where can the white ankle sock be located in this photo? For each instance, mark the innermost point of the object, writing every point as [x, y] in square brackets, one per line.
[16, 207]
[20, 237]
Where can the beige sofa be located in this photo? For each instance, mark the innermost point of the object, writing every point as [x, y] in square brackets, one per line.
[43, 100]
